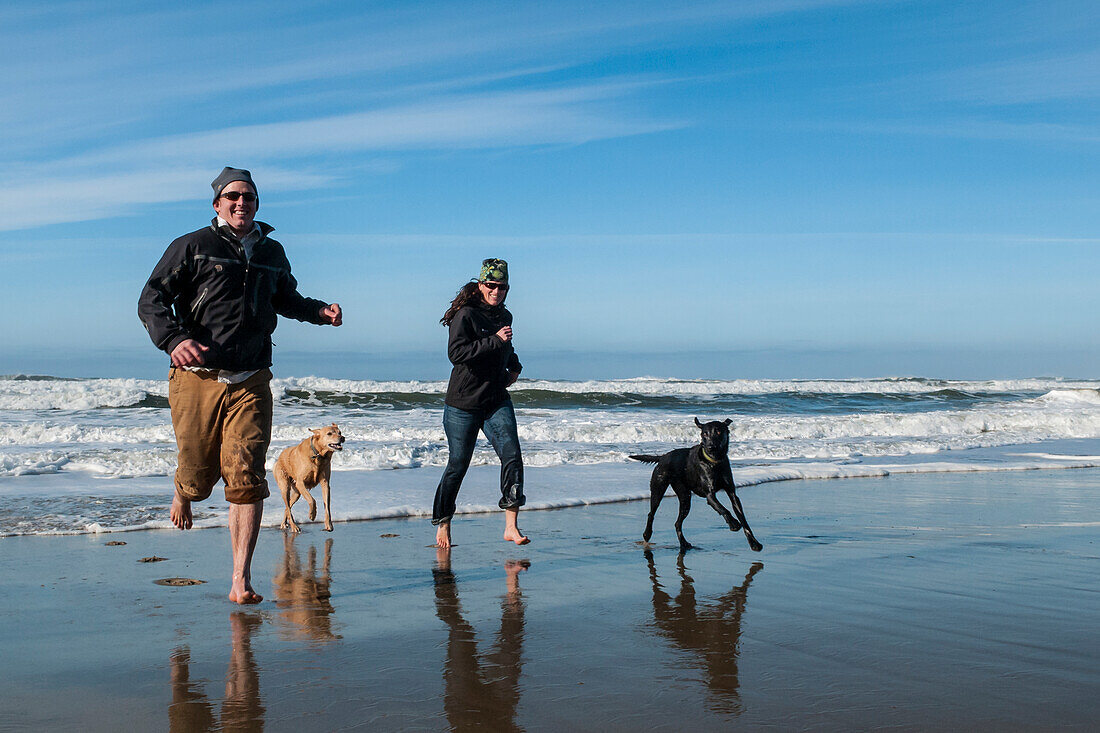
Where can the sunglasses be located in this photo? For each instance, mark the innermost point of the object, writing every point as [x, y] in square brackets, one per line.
[234, 195]
[495, 286]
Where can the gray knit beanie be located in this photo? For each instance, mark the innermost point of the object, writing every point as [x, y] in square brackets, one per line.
[227, 176]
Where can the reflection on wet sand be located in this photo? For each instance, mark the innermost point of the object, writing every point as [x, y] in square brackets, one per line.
[711, 632]
[303, 596]
[242, 709]
[481, 692]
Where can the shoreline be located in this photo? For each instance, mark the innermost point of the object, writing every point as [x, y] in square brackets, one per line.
[409, 492]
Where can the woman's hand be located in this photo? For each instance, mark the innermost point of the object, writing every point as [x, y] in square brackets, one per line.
[505, 334]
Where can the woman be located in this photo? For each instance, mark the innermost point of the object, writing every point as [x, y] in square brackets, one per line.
[485, 365]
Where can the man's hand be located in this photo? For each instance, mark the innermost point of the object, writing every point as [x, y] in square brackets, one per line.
[189, 353]
[505, 334]
[512, 377]
[332, 315]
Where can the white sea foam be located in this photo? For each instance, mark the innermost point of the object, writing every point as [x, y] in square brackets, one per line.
[57, 435]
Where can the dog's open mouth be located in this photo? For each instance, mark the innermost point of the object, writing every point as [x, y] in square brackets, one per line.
[336, 446]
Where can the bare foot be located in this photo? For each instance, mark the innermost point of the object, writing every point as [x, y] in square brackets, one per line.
[513, 534]
[443, 536]
[241, 592]
[180, 513]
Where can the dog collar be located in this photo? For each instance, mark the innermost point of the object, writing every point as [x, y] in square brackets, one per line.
[706, 458]
[313, 450]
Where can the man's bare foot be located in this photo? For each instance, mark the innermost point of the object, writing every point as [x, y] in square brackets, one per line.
[241, 592]
[246, 597]
[443, 536]
[180, 513]
[513, 534]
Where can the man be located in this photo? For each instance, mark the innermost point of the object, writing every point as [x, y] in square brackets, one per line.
[212, 304]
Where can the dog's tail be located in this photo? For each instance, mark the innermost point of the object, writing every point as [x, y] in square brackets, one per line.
[646, 459]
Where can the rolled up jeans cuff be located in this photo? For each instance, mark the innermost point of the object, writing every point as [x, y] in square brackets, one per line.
[442, 520]
[513, 498]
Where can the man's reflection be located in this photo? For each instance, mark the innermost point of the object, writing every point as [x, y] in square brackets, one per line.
[303, 596]
[480, 691]
[711, 632]
[242, 709]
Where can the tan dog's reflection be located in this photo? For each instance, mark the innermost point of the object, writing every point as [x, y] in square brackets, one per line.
[711, 632]
[303, 596]
[481, 691]
[242, 709]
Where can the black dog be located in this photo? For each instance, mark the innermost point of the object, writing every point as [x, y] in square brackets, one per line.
[703, 469]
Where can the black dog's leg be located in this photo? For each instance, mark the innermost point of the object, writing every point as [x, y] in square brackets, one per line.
[685, 507]
[716, 505]
[754, 544]
[658, 483]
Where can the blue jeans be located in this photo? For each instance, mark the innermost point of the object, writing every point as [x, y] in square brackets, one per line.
[461, 426]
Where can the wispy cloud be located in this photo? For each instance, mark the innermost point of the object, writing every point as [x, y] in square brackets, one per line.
[1021, 81]
[87, 186]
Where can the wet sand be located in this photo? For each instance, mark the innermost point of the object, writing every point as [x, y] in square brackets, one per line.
[911, 602]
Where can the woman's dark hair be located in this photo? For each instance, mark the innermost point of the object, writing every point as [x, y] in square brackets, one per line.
[468, 294]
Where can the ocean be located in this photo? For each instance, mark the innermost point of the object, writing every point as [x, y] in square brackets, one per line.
[97, 455]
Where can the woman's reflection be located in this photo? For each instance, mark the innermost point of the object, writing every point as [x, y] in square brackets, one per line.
[303, 596]
[480, 691]
[242, 709]
[711, 632]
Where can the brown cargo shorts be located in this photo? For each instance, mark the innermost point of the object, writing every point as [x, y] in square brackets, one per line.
[222, 431]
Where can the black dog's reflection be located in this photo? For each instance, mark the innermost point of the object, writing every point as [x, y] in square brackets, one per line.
[711, 632]
[242, 709]
[480, 691]
[303, 596]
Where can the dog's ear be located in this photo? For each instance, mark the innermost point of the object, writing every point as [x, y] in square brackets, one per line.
[698, 424]
[315, 431]
[728, 421]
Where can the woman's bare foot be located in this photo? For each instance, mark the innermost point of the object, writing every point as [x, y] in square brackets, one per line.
[443, 536]
[512, 532]
[514, 535]
[241, 591]
[180, 513]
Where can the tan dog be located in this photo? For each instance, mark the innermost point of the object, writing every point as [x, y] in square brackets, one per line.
[303, 466]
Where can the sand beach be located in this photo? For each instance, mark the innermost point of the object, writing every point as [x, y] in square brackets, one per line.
[912, 602]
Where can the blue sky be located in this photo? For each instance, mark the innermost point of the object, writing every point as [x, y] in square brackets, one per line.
[912, 184]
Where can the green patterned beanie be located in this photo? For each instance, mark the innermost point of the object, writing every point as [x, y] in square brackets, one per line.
[493, 270]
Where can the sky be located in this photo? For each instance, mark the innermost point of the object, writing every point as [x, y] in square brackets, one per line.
[740, 188]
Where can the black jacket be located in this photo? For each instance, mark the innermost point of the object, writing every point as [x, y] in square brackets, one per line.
[479, 379]
[205, 289]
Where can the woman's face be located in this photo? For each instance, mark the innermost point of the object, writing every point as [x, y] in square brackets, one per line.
[493, 292]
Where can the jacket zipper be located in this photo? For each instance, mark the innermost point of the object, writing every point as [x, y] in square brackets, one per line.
[200, 299]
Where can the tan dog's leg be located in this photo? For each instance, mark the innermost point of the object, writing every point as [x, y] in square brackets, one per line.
[309, 500]
[290, 495]
[325, 497]
[289, 518]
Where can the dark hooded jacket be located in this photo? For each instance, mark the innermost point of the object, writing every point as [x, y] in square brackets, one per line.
[204, 288]
[479, 379]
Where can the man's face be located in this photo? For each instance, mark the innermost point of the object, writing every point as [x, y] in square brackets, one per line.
[240, 213]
